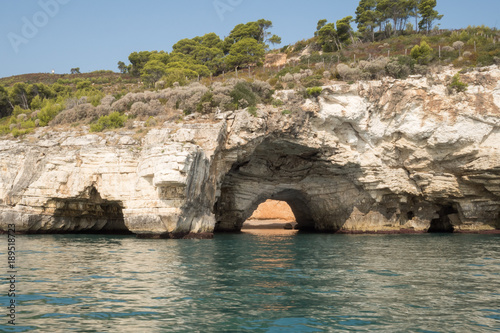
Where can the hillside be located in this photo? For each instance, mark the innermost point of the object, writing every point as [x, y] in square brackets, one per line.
[37, 100]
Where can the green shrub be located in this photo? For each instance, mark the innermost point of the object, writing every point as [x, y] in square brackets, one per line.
[4, 130]
[119, 95]
[18, 110]
[457, 85]
[151, 122]
[49, 112]
[83, 85]
[95, 99]
[285, 112]
[279, 86]
[114, 120]
[63, 81]
[405, 60]
[400, 67]
[61, 89]
[314, 91]
[312, 81]
[273, 81]
[422, 54]
[316, 58]
[299, 46]
[252, 110]
[28, 124]
[277, 102]
[242, 94]
[93, 96]
[16, 132]
[487, 56]
[180, 75]
[102, 71]
[206, 100]
[284, 48]
[36, 103]
[290, 70]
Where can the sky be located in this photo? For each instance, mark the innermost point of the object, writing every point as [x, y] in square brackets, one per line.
[38, 36]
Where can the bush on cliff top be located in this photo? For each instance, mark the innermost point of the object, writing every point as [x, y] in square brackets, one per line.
[314, 91]
[457, 85]
[114, 120]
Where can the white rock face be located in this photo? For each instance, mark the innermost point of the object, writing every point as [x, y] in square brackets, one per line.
[381, 156]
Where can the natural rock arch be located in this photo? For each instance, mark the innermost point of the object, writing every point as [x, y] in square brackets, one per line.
[296, 199]
[321, 197]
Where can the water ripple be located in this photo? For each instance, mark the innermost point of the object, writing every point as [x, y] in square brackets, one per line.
[260, 283]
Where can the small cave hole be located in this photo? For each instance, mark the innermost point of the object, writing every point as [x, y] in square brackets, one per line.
[443, 224]
[410, 215]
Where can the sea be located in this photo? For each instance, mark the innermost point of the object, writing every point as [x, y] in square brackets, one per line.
[254, 281]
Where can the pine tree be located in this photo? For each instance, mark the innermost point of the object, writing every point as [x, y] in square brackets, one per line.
[328, 38]
[428, 14]
[366, 17]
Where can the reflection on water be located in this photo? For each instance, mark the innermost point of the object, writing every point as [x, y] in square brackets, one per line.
[262, 281]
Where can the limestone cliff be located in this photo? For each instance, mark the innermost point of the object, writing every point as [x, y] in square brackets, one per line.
[371, 156]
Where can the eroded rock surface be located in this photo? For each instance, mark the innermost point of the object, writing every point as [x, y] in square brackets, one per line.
[374, 156]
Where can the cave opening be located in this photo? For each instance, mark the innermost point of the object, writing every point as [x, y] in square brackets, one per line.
[276, 169]
[271, 214]
[296, 200]
[89, 214]
[443, 223]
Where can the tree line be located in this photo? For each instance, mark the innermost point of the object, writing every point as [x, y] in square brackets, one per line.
[203, 55]
[378, 17]
[393, 16]
[25, 96]
[247, 43]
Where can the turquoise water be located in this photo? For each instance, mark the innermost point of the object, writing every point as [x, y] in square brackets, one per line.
[256, 282]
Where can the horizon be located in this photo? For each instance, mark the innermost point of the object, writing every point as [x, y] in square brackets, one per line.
[44, 35]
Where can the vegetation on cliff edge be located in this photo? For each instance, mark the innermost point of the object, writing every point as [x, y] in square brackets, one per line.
[207, 74]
